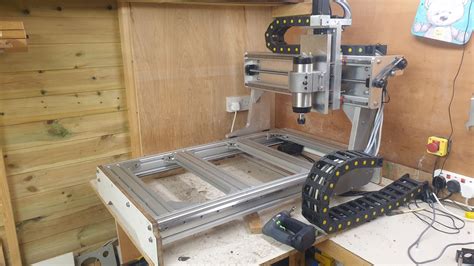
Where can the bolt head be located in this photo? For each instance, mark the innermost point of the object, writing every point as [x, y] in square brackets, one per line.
[150, 239]
[127, 204]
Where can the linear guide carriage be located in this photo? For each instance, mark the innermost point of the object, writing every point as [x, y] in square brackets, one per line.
[321, 75]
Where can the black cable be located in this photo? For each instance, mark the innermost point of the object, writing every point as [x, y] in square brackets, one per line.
[309, 159]
[453, 91]
[354, 193]
[385, 94]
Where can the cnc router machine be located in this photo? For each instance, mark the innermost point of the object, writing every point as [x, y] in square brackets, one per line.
[321, 75]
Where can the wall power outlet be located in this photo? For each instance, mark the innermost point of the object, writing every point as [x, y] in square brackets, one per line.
[243, 103]
[465, 183]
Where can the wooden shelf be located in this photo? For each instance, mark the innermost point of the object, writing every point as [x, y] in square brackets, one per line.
[219, 2]
[12, 37]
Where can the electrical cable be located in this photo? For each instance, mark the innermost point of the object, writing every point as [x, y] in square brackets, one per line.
[457, 205]
[445, 213]
[453, 91]
[417, 241]
[375, 137]
[309, 159]
[442, 213]
[448, 211]
[354, 193]
[233, 122]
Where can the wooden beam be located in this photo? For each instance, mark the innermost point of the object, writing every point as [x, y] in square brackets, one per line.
[219, 2]
[254, 223]
[2, 256]
[8, 218]
[125, 20]
[292, 10]
[128, 250]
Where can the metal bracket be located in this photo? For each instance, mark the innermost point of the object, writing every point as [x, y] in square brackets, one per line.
[105, 255]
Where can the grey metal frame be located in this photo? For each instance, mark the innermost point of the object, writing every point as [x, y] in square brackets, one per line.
[177, 220]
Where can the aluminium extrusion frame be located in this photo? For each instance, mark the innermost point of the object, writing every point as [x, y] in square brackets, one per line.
[156, 221]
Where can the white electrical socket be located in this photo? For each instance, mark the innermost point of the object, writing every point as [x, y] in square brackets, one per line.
[243, 103]
[466, 182]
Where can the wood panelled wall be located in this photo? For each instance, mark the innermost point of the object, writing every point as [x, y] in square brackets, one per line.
[419, 99]
[183, 61]
[62, 112]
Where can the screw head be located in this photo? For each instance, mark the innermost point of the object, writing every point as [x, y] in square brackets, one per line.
[150, 239]
[149, 227]
[127, 204]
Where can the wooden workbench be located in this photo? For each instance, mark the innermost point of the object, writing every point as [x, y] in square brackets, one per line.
[384, 240]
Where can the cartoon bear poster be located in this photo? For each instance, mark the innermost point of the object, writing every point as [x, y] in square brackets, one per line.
[445, 20]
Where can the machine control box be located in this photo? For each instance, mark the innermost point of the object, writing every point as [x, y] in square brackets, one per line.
[438, 146]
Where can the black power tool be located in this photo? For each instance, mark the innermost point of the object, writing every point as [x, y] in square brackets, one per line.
[290, 231]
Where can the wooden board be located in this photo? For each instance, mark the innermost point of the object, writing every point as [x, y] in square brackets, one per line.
[66, 103]
[181, 79]
[17, 111]
[33, 183]
[61, 130]
[125, 23]
[218, 2]
[12, 36]
[42, 83]
[128, 251]
[33, 159]
[62, 56]
[61, 243]
[37, 229]
[8, 216]
[2, 255]
[341, 254]
[419, 99]
[55, 201]
[59, 8]
[70, 30]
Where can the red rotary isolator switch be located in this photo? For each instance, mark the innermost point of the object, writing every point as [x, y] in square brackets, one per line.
[433, 146]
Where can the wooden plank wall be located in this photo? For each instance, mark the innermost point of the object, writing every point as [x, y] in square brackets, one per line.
[62, 112]
[184, 60]
[419, 99]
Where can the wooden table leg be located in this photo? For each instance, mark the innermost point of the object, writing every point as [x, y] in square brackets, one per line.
[128, 251]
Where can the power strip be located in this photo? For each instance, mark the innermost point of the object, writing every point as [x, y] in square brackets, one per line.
[465, 182]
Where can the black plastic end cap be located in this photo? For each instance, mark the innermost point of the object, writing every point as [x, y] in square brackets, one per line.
[301, 110]
[439, 182]
[402, 64]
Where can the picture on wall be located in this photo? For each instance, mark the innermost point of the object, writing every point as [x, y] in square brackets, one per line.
[449, 21]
